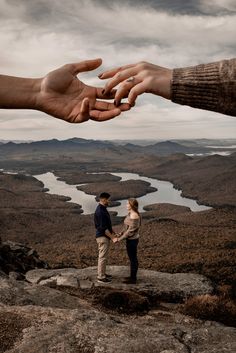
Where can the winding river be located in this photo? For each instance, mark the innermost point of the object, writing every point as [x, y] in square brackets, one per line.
[166, 193]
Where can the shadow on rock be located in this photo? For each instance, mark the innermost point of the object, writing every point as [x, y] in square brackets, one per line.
[125, 302]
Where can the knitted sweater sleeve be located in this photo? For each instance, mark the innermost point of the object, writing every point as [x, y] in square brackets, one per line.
[207, 86]
[132, 228]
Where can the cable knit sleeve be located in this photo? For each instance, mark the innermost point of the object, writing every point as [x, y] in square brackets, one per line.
[207, 86]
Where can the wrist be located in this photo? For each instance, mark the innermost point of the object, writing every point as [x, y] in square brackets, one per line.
[164, 82]
[169, 80]
[19, 92]
[36, 94]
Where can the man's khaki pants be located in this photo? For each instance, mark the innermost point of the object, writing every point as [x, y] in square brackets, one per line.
[103, 248]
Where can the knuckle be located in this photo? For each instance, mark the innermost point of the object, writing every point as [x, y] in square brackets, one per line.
[132, 95]
[149, 80]
[146, 72]
[68, 66]
[117, 75]
[125, 86]
[143, 65]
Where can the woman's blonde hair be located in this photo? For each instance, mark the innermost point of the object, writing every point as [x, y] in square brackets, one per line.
[134, 205]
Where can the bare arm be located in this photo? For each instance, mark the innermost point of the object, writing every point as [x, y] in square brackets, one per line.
[18, 93]
[60, 94]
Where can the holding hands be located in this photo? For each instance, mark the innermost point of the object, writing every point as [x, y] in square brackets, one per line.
[116, 238]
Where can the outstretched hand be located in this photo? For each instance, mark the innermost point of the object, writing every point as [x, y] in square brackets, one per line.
[136, 79]
[64, 96]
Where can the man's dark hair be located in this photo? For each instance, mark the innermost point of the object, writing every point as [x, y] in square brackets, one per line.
[104, 195]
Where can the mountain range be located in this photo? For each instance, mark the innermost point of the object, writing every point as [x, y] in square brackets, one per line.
[78, 144]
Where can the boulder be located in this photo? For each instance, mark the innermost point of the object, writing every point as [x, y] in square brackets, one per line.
[68, 281]
[21, 293]
[18, 258]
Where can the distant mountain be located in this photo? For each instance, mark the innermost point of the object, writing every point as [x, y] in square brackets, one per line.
[166, 148]
[223, 143]
[78, 140]
[75, 145]
[56, 147]
[15, 141]
[135, 142]
[210, 179]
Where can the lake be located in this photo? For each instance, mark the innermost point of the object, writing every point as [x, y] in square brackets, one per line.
[166, 193]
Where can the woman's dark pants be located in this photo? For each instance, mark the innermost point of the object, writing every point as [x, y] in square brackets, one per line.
[131, 246]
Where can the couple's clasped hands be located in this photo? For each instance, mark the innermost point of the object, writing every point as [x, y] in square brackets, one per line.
[62, 95]
[115, 239]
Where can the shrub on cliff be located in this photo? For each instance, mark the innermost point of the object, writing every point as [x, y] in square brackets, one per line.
[212, 307]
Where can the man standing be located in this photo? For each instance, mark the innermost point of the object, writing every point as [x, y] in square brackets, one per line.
[104, 233]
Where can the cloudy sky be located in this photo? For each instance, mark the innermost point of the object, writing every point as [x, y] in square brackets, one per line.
[39, 35]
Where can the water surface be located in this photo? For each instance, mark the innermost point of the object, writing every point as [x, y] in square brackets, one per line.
[166, 193]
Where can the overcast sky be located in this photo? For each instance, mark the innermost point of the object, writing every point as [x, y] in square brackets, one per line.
[38, 36]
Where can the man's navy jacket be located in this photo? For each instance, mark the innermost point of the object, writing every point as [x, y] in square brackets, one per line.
[102, 221]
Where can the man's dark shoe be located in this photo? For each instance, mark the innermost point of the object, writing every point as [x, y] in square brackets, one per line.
[104, 280]
[130, 280]
[108, 276]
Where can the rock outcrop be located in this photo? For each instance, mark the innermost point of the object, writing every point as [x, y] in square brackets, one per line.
[170, 287]
[16, 259]
[51, 311]
[40, 319]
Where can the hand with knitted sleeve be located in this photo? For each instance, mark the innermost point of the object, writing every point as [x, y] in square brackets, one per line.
[133, 225]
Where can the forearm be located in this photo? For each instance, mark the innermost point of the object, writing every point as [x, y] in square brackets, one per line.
[128, 233]
[109, 234]
[208, 86]
[122, 237]
[18, 93]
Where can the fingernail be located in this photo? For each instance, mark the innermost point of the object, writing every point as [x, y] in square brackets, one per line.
[117, 103]
[100, 75]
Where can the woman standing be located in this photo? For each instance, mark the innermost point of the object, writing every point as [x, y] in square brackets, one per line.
[132, 224]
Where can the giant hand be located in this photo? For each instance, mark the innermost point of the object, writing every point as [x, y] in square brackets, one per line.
[64, 96]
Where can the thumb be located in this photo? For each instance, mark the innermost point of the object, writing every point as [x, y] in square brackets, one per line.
[86, 65]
